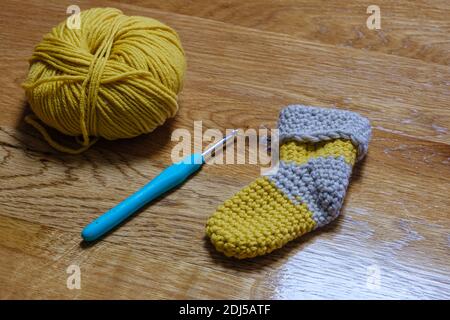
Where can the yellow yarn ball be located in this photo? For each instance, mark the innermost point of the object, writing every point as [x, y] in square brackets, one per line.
[116, 76]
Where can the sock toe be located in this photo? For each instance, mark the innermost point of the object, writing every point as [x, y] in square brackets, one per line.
[257, 220]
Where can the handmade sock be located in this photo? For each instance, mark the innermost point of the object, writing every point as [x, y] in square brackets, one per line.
[318, 148]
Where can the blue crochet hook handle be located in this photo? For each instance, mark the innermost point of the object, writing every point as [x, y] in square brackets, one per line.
[168, 179]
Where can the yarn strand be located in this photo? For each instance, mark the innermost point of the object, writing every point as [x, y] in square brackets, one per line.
[116, 77]
[34, 121]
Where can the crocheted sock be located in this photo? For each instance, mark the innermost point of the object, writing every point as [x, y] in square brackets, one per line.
[318, 148]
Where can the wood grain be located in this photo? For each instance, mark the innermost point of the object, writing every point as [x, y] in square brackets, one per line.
[415, 29]
[243, 66]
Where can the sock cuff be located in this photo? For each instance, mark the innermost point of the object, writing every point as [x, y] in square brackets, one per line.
[314, 124]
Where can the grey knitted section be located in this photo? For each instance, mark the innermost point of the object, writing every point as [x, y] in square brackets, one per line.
[314, 124]
[321, 184]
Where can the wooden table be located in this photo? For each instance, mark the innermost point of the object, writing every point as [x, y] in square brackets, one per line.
[246, 60]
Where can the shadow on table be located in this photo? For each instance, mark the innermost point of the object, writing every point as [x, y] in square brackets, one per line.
[143, 146]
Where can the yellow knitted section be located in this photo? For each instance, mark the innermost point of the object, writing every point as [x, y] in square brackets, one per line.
[301, 152]
[116, 77]
[260, 218]
[257, 220]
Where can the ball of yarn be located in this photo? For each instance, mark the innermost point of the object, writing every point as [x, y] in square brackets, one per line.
[116, 76]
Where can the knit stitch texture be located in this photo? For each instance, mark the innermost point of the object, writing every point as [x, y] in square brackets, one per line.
[318, 148]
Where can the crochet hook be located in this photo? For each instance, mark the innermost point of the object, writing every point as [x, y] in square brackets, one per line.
[168, 179]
